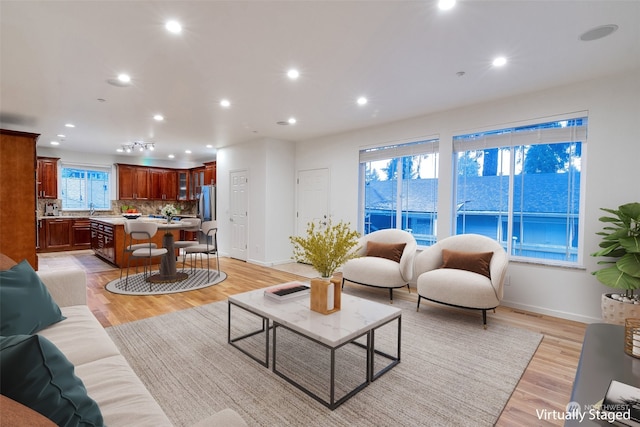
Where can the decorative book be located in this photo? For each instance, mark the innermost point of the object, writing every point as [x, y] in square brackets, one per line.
[621, 404]
[287, 291]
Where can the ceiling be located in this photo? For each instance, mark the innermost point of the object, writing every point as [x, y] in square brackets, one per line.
[404, 56]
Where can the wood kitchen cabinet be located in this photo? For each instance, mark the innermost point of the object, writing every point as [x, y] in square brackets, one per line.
[103, 240]
[184, 180]
[63, 234]
[58, 234]
[163, 185]
[210, 171]
[81, 234]
[196, 182]
[18, 218]
[133, 182]
[47, 177]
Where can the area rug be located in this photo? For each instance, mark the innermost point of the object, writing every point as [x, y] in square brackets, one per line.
[452, 371]
[139, 286]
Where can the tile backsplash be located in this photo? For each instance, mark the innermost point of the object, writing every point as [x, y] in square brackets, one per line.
[146, 207]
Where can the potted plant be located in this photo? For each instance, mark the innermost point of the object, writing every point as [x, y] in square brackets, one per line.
[325, 247]
[621, 246]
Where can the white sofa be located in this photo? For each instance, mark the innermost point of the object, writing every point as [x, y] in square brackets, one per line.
[110, 381]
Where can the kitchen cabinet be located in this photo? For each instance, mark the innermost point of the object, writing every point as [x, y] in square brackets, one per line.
[58, 234]
[195, 183]
[18, 218]
[81, 234]
[103, 240]
[184, 180]
[133, 182]
[163, 184]
[63, 234]
[210, 171]
[47, 177]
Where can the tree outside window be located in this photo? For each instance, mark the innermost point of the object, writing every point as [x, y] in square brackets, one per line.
[522, 187]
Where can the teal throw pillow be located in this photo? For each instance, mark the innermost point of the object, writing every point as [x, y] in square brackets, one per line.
[26, 306]
[34, 372]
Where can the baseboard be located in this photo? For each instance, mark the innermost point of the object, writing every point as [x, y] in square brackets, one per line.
[553, 313]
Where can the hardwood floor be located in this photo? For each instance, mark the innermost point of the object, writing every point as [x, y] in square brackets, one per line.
[546, 383]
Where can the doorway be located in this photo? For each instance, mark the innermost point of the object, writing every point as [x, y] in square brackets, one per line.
[239, 210]
[313, 198]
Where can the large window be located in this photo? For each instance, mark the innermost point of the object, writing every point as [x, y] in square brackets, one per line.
[399, 189]
[84, 188]
[522, 187]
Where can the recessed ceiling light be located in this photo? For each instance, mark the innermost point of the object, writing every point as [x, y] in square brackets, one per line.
[187, 151]
[171, 156]
[61, 136]
[292, 120]
[293, 74]
[362, 100]
[209, 146]
[499, 61]
[55, 143]
[446, 4]
[124, 78]
[120, 150]
[225, 103]
[173, 27]
[70, 125]
[598, 32]
[158, 117]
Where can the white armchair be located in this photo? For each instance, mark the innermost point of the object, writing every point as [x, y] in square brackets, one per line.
[385, 261]
[465, 271]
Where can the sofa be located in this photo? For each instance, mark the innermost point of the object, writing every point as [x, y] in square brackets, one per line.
[120, 395]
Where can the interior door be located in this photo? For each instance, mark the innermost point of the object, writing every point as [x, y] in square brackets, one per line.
[239, 211]
[313, 198]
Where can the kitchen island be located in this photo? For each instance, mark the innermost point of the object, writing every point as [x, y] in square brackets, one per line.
[108, 240]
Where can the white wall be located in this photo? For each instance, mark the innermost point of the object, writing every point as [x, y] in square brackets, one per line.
[612, 162]
[270, 166]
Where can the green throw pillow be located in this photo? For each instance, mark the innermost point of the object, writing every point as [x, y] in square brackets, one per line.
[35, 373]
[26, 306]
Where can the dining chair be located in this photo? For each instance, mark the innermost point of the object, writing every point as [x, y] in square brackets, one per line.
[190, 225]
[210, 247]
[129, 245]
[142, 232]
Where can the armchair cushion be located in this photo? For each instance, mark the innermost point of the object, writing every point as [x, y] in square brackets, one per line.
[26, 306]
[475, 262]
[392, 251]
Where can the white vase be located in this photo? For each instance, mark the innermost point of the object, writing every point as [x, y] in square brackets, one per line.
[616, 312]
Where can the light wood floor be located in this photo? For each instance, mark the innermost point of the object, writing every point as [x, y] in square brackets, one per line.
[546, 383]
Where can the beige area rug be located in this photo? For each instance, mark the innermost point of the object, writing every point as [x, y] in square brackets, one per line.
[452, 373]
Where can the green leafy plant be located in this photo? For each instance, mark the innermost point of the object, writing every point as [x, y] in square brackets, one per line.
[620, 243]
[325, 247]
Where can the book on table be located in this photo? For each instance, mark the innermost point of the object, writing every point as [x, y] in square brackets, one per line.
[287, 291]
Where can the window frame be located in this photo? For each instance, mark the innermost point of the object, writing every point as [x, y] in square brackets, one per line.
[512, 141]
[87, 168]
[422, 146]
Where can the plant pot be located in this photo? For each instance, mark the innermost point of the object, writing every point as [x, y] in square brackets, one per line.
[616, 312]
[325, 295]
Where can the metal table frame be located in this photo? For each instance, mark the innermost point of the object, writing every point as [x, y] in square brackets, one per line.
[332, 403]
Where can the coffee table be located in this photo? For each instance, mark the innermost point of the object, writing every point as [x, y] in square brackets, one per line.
[357, 318]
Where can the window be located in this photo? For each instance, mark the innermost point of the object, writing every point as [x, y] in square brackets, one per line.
[399, 189]
[522, 186]
[84, 188]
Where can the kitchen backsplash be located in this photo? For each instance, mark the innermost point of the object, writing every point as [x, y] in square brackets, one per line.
[145, 207]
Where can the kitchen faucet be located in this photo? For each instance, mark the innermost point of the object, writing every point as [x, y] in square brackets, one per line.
[92, 209]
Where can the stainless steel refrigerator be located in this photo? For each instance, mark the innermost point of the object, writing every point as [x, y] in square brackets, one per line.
[207, 206]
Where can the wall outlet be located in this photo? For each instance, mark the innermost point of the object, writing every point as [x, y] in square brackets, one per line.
[507, 280]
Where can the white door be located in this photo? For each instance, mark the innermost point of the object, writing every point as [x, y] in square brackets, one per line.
[313, 198]
[239, 210]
